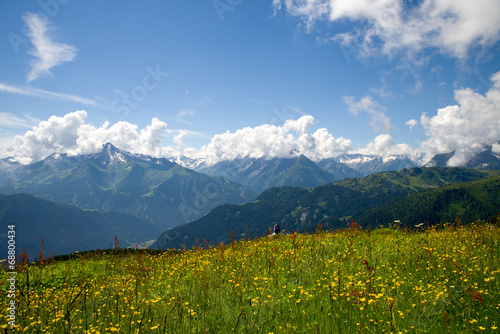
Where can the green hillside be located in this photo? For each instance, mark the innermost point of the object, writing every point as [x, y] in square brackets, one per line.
[65, 228]
[302, 209]
[467, 201]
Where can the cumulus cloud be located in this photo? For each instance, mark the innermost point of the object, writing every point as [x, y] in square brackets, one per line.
[391, 26]
[495, 148]
[71, 134]
[275, 141]
[180, 139]
[269, 141]
[55, 134]
[47, 52]
[466, 127]
[378, 119]
[309, 10]
[384, 145]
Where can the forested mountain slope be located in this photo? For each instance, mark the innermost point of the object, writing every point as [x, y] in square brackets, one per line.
[301, 209]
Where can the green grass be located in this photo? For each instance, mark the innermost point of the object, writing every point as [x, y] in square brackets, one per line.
[347, 281]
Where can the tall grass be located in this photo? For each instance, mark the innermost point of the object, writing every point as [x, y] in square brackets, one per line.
[347, 281]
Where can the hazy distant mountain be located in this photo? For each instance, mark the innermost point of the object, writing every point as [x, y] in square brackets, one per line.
[341, 167]
[153, 189]
[8, 170]
[370, 164]
[66, 228]
[194, 164]
[302, 209]
[261, 174]
[356, 165]
[440, 160]
[486, 159]
[339, 170]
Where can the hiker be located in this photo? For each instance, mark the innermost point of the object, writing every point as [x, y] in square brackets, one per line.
[277, 229]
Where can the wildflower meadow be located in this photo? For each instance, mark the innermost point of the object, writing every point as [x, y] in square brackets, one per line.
[444, 280]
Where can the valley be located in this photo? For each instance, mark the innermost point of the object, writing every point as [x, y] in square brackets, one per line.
[88, 200]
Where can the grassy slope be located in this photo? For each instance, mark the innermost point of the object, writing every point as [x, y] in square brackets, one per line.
[348, 281]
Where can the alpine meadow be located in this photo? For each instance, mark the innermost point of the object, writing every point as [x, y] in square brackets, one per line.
[387, 280]
[253, 167]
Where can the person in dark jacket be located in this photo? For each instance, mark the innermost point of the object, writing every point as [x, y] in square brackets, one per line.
[277, 229]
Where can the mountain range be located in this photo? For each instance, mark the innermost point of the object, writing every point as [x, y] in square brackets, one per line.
[153, 189]
[342, 166]
[159, 195]
[297, 170]
[261, 174]
[368, 164]
[486, 159]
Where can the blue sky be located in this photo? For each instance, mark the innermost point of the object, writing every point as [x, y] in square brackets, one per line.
[371, 75]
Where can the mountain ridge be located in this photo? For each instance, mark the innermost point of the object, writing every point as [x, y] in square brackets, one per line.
[116, 180]
[302, 209]
[260, 174]
[468, 202]
[486, 159]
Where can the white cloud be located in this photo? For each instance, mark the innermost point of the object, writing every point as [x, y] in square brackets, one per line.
[495, 148]
[385, 146]
[378, 119]
[276, 6]
[54, 135]
[70, 134]
[465, 127]
[275, 141]
[300, 126]
[47, 52]
[31, 91]
[180, 139]
[411, 123]
[309, 10]
[391, 26]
